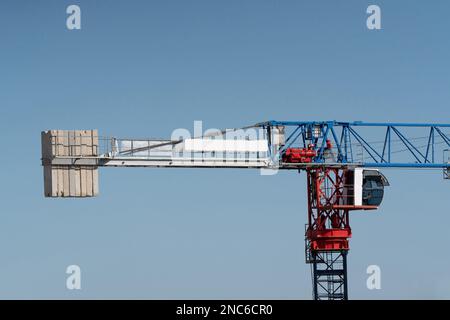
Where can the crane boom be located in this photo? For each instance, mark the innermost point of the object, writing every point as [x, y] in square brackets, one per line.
[338, 144]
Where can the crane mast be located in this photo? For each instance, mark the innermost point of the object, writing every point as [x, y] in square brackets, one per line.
[341, 164]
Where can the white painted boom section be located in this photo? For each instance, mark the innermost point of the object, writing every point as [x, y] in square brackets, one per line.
[189, 153]
[220, 145]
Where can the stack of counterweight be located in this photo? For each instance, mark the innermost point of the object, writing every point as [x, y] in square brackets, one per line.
[69, 180]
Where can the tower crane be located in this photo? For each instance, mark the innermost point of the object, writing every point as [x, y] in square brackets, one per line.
[342, 161]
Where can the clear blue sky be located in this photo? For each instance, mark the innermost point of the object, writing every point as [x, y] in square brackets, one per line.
[144, 68]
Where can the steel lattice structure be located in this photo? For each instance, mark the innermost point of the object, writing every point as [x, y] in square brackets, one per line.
[346, 135]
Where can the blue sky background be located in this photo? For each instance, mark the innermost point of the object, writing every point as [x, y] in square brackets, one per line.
[144, 68]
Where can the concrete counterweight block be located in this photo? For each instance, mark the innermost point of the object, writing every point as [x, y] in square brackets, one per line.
[69, 180]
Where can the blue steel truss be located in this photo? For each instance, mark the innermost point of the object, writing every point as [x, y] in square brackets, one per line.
[407, 145]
